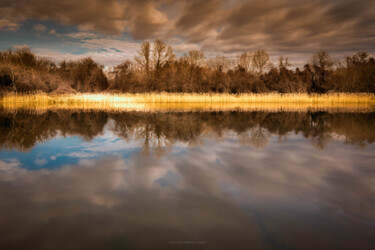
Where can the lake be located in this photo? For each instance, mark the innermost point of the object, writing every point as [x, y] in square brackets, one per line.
[85, 179]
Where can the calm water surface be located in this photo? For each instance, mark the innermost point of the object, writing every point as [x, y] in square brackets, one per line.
[191, 180]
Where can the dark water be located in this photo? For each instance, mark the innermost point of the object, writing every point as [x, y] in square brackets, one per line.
[220, 180]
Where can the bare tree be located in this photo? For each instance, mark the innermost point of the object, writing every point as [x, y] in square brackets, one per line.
[219, 62]
[144, 57]
[260, 60]
[283, 62]
[322, 59]
[244, 60]
[196, 57]
[162, 53]
[358, 58]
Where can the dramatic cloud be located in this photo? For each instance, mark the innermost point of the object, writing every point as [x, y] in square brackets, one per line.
[300, 26]
[296, 28]
[111, 17]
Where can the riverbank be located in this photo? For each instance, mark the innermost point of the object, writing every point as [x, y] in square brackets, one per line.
[183, 102]
[189, 98]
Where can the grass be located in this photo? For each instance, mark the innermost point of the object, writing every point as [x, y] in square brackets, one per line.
[182, 101]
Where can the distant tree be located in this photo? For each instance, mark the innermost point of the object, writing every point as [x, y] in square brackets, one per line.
[124, 78]
[357, 59]
[244, 60]
[356, 74]
[162, 53]
[196, 57]
[242, 81]
[322, 65]
[323, 60]
[144, 58]
[260, 60]
[283, 62]
[221, 63]
[156, 69]
[85, 75]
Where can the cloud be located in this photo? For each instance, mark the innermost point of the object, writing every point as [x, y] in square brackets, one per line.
[40, 27]
[8, 164]
[297, 26]
[282, 27]
[146, 21]
[106, 51]
[82, 35]
[110, 17]
[40, 162]
[20, 46]
[8, 25]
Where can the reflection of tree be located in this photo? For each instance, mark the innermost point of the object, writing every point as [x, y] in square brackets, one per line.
[252, 127]
[357, 129]
[86, 124]
[256, 136]
[158, 131]
[259, 137]
[22, 130]
[147, 129]
[152, 137]
[319, 129]
[321, 141]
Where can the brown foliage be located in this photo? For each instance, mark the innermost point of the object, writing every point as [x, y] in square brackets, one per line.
[85, 75]
[156, 69]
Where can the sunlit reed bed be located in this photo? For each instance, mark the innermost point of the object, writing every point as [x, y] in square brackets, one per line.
[191, 98]
[187, 102]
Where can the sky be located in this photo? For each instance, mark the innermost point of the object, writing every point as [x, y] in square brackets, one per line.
[111, 31]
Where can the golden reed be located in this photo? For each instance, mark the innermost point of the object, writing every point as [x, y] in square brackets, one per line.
[184, 101]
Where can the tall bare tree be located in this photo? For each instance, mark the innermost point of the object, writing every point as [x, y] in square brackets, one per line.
[144, 57]
[244, 60]
[196, 57]
[260, 60]
[162, 53]
[283, 62]
[220, 62]
[323, 60]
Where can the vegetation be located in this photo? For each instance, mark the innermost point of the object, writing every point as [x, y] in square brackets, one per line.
[191, 101]
[157, 69]
[192, 98]
[21, 71]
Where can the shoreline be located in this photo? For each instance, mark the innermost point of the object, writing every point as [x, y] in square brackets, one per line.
[189, 98]
[166, 102]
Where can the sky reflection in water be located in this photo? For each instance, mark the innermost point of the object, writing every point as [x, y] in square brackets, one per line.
[227, 180]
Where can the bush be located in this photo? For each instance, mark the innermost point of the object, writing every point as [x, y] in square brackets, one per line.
[85, 75]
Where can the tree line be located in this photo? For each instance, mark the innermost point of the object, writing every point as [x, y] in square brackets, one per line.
[156, 68]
